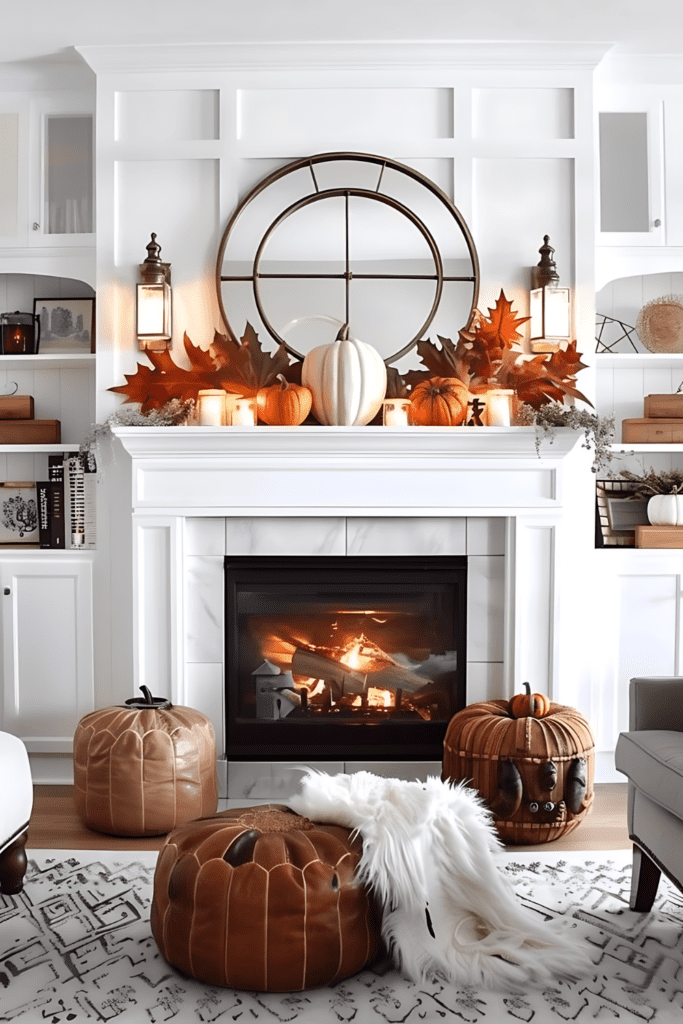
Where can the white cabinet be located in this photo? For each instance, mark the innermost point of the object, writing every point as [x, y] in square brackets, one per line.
[47, 183]
[47, 648]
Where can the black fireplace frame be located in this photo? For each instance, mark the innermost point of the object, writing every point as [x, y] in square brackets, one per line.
[353, 741]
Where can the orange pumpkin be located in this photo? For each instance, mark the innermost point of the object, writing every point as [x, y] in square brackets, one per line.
[284, 404]
[439, 402]
[529, 705]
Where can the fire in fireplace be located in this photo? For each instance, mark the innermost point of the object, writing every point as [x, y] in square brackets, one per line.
[343, 658]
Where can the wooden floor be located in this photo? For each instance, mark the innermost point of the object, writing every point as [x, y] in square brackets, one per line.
[55, 825]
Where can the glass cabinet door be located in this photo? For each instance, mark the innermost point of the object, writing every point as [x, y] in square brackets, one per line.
[630, 187]
[62, 162]
[68, 175]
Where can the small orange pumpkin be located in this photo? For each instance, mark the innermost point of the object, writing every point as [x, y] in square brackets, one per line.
[284, 404]
[439, 402]
[529, 705]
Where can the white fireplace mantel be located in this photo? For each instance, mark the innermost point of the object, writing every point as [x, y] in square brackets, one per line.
[190, 471]
[425, 480]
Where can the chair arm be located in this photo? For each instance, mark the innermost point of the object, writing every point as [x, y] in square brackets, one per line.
[656, 702]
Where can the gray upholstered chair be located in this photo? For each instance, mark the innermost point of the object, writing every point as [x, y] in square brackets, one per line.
[16, 802]
[650, 754]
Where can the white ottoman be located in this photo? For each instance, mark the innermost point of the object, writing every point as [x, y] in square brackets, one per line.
[16, 802]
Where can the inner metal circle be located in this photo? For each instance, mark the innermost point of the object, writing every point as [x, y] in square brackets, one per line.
[348, 275]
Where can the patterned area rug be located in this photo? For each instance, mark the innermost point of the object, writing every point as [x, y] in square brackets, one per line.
[76, 946]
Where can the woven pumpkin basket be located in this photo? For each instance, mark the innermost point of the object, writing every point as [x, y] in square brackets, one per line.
[531, 760]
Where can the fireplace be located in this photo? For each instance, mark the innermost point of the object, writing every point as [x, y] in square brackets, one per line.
[343, 658]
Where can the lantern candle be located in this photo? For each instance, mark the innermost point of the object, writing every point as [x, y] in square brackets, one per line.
[211, 408]
[244, 414]
[498, 408]
[396, 412]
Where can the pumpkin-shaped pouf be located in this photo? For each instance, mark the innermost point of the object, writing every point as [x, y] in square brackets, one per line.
[348, 381]
[439, 402]
[145, 767]
[261, 899]
[532, 762]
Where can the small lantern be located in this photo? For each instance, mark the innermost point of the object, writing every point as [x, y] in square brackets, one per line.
[19, 333]
[548, 304]
[153, 301]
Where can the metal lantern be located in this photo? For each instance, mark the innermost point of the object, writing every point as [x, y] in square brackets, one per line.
[548, 304]
[153, 301]
[19, 333]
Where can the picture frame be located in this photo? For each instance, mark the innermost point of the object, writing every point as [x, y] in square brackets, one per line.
[18, 513]
[66, 325]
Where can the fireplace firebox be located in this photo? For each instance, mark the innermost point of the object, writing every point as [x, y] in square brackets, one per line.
[343, 658]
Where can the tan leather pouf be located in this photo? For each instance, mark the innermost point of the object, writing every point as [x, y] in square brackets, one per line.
[143, 768]
[263, 900]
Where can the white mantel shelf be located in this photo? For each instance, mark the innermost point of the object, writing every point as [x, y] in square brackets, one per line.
[206, 471]
[360, 442]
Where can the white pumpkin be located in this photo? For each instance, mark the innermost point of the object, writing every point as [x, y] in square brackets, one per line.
[348, 381]
[665, 510]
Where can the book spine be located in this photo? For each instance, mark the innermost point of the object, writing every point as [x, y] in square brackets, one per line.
[57, 514]
[74, 493]
[55, 474]
[44, 513]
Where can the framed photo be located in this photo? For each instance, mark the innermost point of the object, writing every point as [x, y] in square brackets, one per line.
[18, 513]
[66, 325]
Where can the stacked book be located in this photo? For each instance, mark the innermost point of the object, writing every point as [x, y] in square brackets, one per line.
[66, 503]
[18, 426]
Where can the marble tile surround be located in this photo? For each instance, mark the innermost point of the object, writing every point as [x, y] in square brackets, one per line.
[206, 542]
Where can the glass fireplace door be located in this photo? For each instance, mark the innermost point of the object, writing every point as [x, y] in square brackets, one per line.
[343, 658]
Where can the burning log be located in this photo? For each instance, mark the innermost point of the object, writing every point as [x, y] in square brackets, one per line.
[344, 680]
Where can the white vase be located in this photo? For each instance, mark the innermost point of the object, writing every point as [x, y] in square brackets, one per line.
[665, 510]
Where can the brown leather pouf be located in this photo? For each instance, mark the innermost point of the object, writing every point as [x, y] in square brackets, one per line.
[261, 899]
[144, 768]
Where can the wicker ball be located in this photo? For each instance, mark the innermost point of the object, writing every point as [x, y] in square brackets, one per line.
[261, 899]
[535, 774]
[144, 768]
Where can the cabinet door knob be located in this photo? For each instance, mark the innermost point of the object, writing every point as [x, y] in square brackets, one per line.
[36, 225]
[658, 223]
[6, 591]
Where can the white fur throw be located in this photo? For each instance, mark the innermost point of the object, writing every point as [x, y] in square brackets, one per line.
[430, 854]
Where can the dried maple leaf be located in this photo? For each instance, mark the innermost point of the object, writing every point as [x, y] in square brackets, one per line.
[499, 330]
[447, 361]
[239, 367]
[244, 363]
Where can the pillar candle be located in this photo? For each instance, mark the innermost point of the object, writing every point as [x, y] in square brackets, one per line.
[498, 408]
[211, 408]
[396, 412]
[244, 414]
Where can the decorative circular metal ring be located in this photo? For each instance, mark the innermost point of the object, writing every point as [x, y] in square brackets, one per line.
[310, 163]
